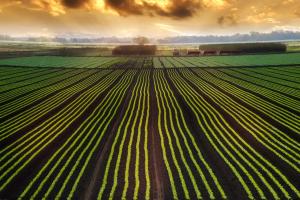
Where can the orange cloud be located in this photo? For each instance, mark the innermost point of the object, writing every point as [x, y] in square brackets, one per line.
[217, 12]
[75, 3]
[6, 3]
[54, 7]
[170, 8]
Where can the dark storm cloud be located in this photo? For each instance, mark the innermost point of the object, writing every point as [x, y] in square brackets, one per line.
[221, 12]
[175, 9]
[75, 3]
[125, 7]
[181, 9]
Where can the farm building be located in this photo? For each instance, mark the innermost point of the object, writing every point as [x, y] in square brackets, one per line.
[241, 48]
[209, 52]
[194, 52]
[134, 50]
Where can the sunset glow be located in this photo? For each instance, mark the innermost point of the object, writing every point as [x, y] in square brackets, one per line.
[140, 17]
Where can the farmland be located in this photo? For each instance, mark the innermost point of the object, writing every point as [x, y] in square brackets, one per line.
[224, 127]
[260, 60]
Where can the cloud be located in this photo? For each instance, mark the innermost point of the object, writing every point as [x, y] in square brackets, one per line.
[75, 3]
[53, 7]
[125, 7]
[227, 20]
[176, 9]
[181, 9]
[224, 13]
[6, 3]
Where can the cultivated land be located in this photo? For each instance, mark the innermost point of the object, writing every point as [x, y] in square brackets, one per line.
[260, 60]
[223, 127]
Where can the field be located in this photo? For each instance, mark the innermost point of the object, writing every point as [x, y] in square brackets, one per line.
[287, 59]
[224, 127]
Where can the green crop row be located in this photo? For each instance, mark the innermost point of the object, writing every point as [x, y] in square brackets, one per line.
[18, 154]
[84, 142]
[130, 126]
[65, 62]
[63, 93]
[287, 118]
[174, 133]
[244, 153]
[169, 111]
[16, 99]
[157, 62]
[228, 61]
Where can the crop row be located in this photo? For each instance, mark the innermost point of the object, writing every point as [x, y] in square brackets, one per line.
[155, 62]
[63, 62]
[224, 120]
[150, 133]
[228, 61]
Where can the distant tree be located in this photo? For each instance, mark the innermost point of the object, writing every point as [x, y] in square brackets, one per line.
[141, 40]
[5, 37]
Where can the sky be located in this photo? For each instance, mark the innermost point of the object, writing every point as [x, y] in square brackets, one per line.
[151, 18]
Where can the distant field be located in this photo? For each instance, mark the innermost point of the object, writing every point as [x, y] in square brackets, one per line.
[65, 62]
[155, 62]
[150, 127]
[15, 49]
[228, 61]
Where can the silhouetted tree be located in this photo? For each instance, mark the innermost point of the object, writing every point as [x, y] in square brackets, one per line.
[141, 40]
